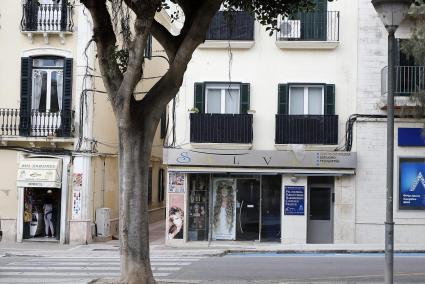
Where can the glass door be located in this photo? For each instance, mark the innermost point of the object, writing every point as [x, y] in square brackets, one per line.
[247, 209]
[270, 208]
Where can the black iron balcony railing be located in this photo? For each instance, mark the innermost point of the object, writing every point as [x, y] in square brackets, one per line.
[13, 122]
[46, 17]
[234, 26]
[408, 80]
[307, 129]
[220, 128]
[309, 27]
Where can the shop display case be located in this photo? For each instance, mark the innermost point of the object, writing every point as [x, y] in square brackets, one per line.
[198, 207]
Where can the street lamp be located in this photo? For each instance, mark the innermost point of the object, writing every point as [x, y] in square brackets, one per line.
[391, 12]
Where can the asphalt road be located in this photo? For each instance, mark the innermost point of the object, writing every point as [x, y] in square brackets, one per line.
[235, 268]
[304, 268]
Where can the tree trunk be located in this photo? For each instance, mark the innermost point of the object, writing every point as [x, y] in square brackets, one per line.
[135, 144]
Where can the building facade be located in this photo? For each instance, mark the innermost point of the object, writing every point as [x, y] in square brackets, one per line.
[283, 139]
[59, 146]
[259, 122]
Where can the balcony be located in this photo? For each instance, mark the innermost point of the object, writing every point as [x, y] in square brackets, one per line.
[47, 19]
[236, 29]
[309, 31]
[220, 128]
[408, 80]
[307, 129]
[13, 122]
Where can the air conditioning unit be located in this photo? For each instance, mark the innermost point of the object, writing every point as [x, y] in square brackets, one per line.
[290, 29]
[103, 221]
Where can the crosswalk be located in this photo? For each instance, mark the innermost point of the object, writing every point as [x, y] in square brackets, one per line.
[82, 269]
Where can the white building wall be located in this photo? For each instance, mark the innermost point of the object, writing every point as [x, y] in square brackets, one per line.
[370, 139]
[264, 66]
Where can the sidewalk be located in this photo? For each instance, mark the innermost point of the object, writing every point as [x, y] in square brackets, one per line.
[158, 247]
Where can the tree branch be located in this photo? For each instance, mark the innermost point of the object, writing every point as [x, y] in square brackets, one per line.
[165, 39]
[167, 87]
[104, 36]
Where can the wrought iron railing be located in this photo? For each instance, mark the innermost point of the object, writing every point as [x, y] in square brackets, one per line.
[309, 27]
[14, 122]
[237, 25]
[408, 80]
[47, 17]
[220, 128]
[306, 129]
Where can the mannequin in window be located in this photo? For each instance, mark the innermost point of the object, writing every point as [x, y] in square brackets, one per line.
[48, 217]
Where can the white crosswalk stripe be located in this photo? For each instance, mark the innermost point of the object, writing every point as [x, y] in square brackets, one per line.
[81, 269]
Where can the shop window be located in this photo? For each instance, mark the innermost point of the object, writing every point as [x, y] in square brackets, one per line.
[198, 207]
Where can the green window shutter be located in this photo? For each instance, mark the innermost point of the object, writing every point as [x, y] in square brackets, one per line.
[26, 93]
[66, 114]
[199, 96]
[283, 99]
[330, 99]
[244, 102]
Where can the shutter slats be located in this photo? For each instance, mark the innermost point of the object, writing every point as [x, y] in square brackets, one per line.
[283, 99]
[26, 92]
[245, 98]
[199, 97]
[330, 99]
[66, 100]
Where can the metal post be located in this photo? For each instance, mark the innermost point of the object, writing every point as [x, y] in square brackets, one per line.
[389, 223]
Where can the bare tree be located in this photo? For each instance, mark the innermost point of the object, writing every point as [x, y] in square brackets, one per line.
[137, 120]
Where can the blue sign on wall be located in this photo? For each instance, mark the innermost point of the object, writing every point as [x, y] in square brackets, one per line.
[294, 200]
[412, 184]
[410, 137]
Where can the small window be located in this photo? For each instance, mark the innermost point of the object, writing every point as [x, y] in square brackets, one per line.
[223, 98]
[306, 100]
[150, 186]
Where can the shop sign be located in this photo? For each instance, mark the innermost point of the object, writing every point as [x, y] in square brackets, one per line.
[294, 200]
[263, 159]
[411, 137]
[412, 184]
[40, 173]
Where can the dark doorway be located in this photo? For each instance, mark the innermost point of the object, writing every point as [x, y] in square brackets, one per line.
[42, 207]
[247, 209]
[270, 208]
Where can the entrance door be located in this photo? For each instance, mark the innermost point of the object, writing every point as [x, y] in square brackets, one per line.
[320, 215]
[270, 208]
[247, 209]
[42, 207]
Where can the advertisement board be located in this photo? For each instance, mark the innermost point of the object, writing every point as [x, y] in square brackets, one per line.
[412, 184]
[294, 200]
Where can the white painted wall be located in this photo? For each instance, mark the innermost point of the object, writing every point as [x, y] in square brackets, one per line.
[264, 66]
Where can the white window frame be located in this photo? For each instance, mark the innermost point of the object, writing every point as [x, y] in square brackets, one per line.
[306, 87]
[223, 88]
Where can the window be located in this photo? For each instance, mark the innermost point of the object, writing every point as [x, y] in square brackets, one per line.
[222, 98]
[306, 100]
[47, 84]
[150, 186]
[161, 189]
[46, 96]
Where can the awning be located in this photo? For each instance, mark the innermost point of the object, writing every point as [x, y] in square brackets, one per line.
[266, 171]
[40, 173]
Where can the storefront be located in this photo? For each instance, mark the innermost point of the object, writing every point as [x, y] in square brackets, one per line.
[42, 191]
[255, 199]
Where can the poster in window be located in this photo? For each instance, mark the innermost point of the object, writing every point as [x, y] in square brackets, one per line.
[224, 215]
[412, 184]
[176, 216]
[176, 184]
